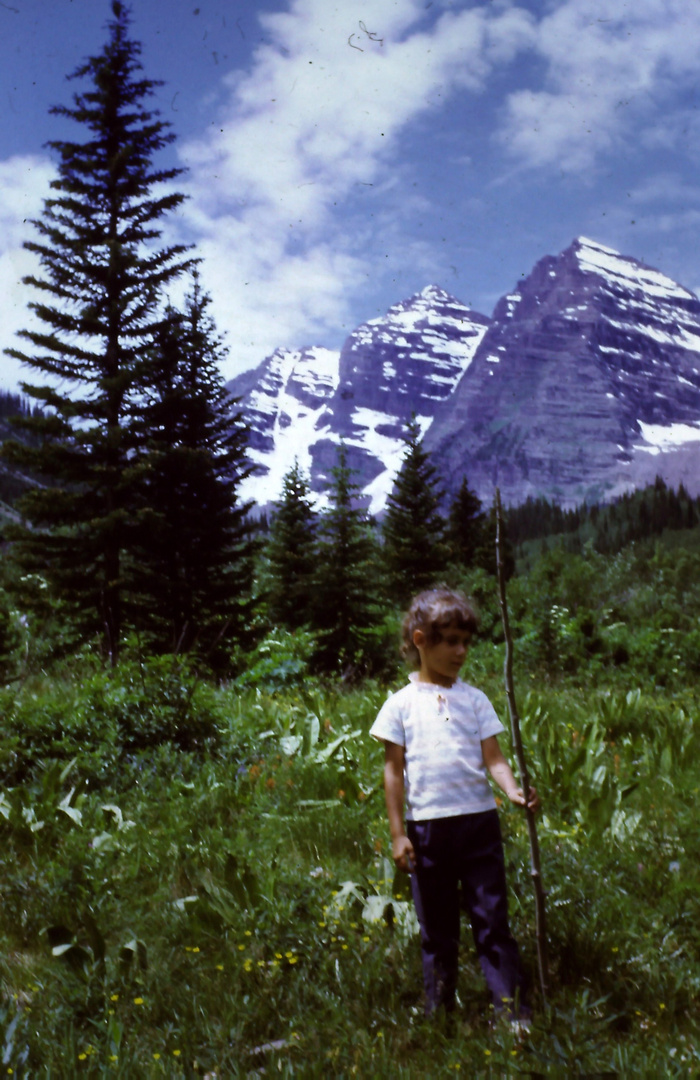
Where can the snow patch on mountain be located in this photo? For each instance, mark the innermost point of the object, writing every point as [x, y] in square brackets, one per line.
[659, 437]
[625, 272]
[303, 403]
[284, 414]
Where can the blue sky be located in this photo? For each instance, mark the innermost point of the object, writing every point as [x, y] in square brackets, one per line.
[343, 155]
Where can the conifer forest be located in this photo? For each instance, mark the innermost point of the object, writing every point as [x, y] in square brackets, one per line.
[196, 875]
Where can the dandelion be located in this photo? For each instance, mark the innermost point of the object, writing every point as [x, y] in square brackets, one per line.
[138, 1001]
[487, 1053]
[156, 1057]
[82, 1057]
[241, 948]
[366, 938]
[176, 1053]
[219, 967]
[248, 933]
[293, 959]
[114, 997]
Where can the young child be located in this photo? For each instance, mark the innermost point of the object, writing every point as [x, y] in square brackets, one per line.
[440, 738]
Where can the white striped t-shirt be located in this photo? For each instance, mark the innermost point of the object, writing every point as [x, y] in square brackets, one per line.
[441, 730]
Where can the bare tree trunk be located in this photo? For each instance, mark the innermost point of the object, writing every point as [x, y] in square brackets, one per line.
[540, 914]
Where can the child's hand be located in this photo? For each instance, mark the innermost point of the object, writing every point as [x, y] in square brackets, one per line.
[404, 855]
[533, 802]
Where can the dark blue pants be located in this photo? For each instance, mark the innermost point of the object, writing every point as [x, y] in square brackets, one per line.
[464, 851]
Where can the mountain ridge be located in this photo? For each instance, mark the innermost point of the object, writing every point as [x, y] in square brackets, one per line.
[583, 384]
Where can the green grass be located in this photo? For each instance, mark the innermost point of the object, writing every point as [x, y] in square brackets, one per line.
[184, 907]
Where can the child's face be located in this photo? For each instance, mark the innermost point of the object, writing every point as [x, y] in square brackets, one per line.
[441, 663]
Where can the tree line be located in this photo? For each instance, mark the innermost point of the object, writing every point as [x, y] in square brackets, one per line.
[635, 515]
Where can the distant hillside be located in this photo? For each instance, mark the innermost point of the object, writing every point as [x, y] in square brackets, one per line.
[650, 512]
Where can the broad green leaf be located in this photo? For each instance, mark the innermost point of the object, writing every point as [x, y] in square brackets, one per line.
[290, 744]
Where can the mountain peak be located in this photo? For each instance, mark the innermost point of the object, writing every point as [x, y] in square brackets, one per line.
[584, 383]
[625, 271]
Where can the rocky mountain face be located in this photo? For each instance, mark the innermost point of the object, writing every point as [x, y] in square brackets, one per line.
[302, 404]
[584, 383]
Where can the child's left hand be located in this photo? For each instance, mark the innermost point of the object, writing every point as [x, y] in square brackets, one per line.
[533, 802]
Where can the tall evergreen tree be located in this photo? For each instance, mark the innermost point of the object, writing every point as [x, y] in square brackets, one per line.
[191, 544]
[465, 525]
[292, 553]
[415, 552]
[102, 277]
[346, 581]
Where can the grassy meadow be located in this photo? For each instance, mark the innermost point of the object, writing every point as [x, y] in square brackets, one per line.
[195, 877]
[221, 903]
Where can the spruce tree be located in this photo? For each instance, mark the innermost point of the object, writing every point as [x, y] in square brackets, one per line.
[190, 541]
[291, 553]
[415, 553]
[345, 594]
[465, 526]
[102, 278]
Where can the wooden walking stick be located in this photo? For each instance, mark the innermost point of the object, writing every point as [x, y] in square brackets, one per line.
[540, 915]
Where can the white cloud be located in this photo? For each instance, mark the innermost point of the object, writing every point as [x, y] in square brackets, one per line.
[609, 69]
[665, 188]
[24, 182]
[320, 113]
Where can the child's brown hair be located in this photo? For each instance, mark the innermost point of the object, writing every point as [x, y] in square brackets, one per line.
[432, 612]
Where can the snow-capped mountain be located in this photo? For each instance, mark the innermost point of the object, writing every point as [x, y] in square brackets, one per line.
[584, 384]
[302, 404]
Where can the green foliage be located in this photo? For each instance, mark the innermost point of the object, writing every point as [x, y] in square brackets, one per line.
[192, 547]
[345, 612]
[108, 718]
[637, 612]
[292, 554]
[281, 661]
[224, 912]
[414, 548]
[465, 526]
[636, 515]
[101, 282]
